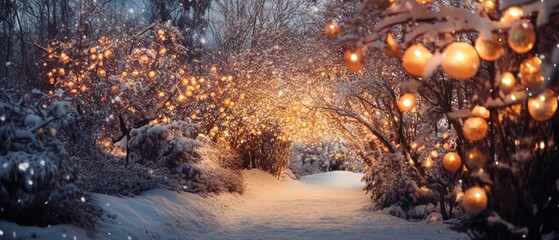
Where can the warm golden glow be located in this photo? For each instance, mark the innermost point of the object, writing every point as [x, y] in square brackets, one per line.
[144, 59]
[489, 5]
[428, 163]
[407, 102]
[475, 128]
[543, 106]
[480, 111]
[530, 73]
[474, 200]
[108, 54]
[333, 30]
[507, 82]
[476, 159]
[101, 73]
[415, 60]
[522, 37]
[452, 161]
[489, 50]
[512, 14]
[354, 60]
[181, 98]
[425, 2]
[460, 60]
[382, 4]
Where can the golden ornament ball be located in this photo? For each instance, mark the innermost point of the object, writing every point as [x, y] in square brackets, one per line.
[480, 111]
[101, 73]
[489, 49]
[428, 163]
[189, 93]
[108, 54]
[512, 14]
[474, 200]
[475, 128]
[452, 161]
[333, 30]
[144, 59]
[530, 73]
[64, 58]
[543, 106]
[476, 159]
[460, 60]
[93, 50]
[507, 82]
[434, 154]
[181, 98]
[354, 60]
[415, 60]
[407, 102]
[151, 74]
[522, 37]
[489, 5]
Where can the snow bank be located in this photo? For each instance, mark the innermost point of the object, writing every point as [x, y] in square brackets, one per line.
[322, 206]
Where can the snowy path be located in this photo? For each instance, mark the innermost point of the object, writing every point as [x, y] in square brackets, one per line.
[323, 206]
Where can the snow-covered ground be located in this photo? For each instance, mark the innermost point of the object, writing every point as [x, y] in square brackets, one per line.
[322, 206]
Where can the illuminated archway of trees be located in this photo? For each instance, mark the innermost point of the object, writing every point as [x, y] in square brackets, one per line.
[447, 106]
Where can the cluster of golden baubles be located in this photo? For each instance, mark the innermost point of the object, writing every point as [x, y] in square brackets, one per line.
[461, 60]
[300, 126]
[69, 68]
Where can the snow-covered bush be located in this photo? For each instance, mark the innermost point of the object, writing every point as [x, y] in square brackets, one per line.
[198, 164]
[263, 150]
[37, 176]
[323, 157]
[397, 194]
[110, 176]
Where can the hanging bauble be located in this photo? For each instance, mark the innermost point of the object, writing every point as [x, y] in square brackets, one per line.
[474, 200]
[108, 54]
[428, 163]
[543, 106]
[415, 60]
[101, 73]
[452, 161]
[407, 102]
[507, 82]
[333, 30]
[530, 74]
[476, 159]
[144, 59]
[512, 14]
[489, 49]
[489, 5]
[460, 60]
[522, 37]
[354, 60]
[475, 128]
[480, 111]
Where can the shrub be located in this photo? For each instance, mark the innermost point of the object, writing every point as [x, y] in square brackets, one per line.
[37, 176]
[197, 164]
